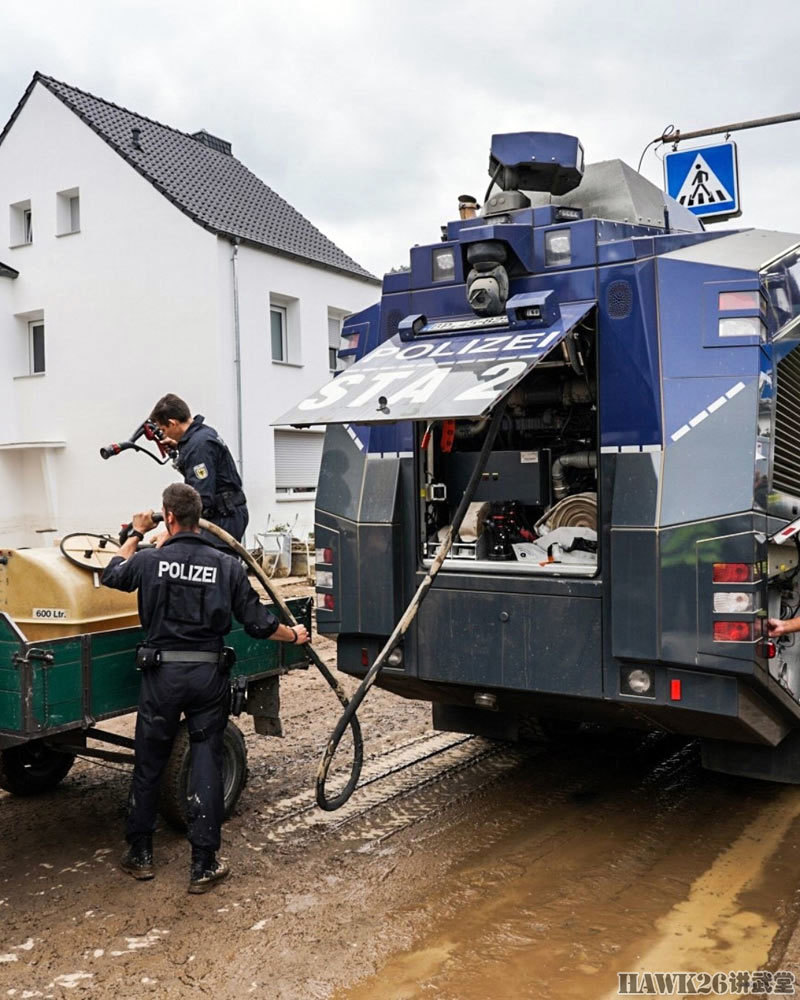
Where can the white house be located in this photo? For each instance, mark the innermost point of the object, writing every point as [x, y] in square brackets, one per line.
[140, 260]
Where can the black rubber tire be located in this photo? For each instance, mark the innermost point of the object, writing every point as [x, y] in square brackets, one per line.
[174, 783]
[33, 768]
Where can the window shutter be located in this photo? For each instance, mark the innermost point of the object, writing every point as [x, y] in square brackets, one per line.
[297, 459]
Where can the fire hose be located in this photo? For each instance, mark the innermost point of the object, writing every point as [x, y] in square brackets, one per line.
[408, 616]
[348, 717]
[286, 617]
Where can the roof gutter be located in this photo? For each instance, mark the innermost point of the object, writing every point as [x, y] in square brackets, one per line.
[237, 356]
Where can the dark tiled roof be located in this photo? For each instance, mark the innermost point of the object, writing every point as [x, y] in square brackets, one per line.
[210, 186]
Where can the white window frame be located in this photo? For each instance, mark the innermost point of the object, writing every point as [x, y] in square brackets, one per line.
[32, 325]
[334, 343]
[280, 311]
[20, 224]
[68, 212]
[294, 492]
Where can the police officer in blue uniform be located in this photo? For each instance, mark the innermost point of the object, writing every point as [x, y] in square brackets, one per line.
[188, 591]
[205, 463]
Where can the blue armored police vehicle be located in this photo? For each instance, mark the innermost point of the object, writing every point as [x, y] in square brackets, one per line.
[632, 525]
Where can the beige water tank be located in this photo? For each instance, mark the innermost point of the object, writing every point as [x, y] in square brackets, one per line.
[48, 596]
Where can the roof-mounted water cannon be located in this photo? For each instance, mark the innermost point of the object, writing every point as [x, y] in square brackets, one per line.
[536, 161]
[533, 161]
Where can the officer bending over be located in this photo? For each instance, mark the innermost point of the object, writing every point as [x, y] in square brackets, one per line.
[205, 463]
[188, 590]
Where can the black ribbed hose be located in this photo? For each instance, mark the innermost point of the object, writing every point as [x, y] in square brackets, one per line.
[408, 616]
[287, 618]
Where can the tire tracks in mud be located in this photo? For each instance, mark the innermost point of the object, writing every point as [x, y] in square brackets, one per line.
[399, 787]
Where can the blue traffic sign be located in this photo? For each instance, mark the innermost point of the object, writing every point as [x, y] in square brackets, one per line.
[705, 180]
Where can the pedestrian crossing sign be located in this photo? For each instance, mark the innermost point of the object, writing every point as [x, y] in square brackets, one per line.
[705, 180]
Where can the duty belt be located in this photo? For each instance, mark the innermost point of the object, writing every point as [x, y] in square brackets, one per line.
[187, 656]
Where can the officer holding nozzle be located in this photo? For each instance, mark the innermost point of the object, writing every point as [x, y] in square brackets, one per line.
[188, 591]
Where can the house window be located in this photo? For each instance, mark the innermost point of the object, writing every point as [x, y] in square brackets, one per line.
[36, 347]
[334, 341]
[21, 223]
[277, 323]
[297, 459]
[68, 212]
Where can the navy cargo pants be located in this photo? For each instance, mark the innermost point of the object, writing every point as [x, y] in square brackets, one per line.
[203, 694]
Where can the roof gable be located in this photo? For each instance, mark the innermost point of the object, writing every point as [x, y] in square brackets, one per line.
[209, 185]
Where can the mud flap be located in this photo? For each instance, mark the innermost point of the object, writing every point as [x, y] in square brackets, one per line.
[780, 763]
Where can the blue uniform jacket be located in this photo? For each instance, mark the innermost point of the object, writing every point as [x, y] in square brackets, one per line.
[206, 464]
[188, 591]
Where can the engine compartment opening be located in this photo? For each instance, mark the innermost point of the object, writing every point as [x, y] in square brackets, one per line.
[535, 508]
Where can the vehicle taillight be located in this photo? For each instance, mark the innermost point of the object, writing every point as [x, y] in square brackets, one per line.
[729, 602]
[739, 300]
[324, 555]
[767, 649]
[325, 602]
[733, 573]
[733, 631]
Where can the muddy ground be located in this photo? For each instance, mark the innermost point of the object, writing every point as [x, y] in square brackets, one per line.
[462, 870]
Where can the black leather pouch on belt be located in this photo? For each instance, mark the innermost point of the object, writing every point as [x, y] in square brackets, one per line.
[227, 658]
[227, 502]
[147, 658]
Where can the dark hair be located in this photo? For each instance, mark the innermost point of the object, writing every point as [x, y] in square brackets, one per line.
[184, 502]
[170, 407]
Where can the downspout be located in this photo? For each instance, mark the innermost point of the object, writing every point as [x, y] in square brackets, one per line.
[237, 357]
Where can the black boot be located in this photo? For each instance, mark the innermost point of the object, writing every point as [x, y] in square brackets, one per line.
[206, 870]
[138, 862]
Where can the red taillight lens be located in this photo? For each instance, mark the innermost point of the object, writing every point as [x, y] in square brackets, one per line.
[330, 604]
[732, 573]
[739, 300]
[324, 555]
[767, 649]
[364, 658]
[733, 631]
[675, 689]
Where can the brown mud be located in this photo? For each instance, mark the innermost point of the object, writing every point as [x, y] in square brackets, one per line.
[462, 870]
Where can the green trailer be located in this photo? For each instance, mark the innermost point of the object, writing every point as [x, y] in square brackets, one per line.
[54, 693]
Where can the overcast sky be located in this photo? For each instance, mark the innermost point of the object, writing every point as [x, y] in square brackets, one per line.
[371, 117]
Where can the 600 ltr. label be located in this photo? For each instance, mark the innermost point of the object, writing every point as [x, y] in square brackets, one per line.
[50, 614]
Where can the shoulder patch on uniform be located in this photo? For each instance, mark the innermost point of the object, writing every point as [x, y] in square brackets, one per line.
[201, 471]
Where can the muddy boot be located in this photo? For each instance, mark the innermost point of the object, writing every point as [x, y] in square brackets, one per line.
[206, 870]
[138, 862]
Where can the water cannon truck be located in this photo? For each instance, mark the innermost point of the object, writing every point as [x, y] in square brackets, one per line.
[635, 522]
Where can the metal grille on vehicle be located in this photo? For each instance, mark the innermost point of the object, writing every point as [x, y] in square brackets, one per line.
[786, 468]
[619, 299]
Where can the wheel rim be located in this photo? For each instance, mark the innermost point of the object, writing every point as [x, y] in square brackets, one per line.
[39, 761]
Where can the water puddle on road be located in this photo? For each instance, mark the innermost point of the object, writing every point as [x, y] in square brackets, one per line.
[685, 871]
